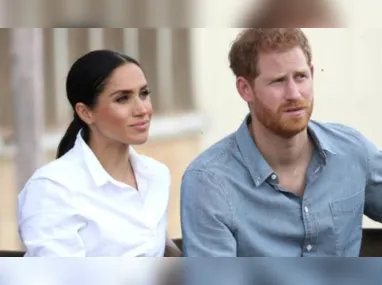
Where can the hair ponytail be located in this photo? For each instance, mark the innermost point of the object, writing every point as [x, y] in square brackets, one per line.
[67, 142]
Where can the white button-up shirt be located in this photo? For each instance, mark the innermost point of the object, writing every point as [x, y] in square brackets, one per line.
[73, 207]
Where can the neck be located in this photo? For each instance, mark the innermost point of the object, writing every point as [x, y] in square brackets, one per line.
[114, 158]
[281, 152]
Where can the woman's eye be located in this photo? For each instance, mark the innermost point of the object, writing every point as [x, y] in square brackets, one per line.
[145, 93]
[122, 99]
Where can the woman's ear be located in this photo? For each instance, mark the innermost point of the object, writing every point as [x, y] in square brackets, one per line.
[84, 113]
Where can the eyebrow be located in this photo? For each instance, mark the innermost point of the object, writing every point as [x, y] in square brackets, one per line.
[127, 91]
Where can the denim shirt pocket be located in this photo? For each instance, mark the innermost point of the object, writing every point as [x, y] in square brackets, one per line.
[347, 216]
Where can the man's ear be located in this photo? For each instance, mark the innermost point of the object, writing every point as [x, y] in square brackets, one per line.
[312, 70]
[245, 89]
[84, 113]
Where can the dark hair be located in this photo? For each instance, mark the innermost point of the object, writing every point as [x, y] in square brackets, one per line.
[86, 79]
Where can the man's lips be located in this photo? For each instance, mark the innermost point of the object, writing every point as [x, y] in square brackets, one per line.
[295, 109]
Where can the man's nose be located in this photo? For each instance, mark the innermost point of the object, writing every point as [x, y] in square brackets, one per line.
[292, 90]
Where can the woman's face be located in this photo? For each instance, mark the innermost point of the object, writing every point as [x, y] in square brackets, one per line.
[123, 111]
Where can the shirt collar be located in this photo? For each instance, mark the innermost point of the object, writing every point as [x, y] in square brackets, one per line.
[254, 160]
[99, 174]
[321, 139]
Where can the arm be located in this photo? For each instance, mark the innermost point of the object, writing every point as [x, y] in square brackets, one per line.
[206, 217]
[48, 221]
[373, 192]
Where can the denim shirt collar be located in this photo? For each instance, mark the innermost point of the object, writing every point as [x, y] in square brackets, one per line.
[254, 160]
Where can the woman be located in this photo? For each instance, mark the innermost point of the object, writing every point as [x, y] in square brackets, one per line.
[100, 197]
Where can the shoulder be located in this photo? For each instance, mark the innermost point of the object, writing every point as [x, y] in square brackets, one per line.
[215, 156]
[52, 184]
[42, 194]
[209, 171]
[59, 172]
[63, 170]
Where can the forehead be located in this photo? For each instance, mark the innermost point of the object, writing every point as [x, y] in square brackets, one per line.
[272, 63]
[127, 76]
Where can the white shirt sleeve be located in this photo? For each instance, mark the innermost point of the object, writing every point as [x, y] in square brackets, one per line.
[49, 221]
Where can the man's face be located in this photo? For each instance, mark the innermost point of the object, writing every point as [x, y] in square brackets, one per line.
[282, 93]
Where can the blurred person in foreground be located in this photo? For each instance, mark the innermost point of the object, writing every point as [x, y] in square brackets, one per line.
[100, 197]
[292, 14]
[282, 185]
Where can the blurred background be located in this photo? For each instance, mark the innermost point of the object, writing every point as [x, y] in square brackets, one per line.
[194, 96]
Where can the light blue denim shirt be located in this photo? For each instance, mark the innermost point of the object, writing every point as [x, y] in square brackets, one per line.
[232, 205]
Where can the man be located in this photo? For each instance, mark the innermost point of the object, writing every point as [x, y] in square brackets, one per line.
[282, 185]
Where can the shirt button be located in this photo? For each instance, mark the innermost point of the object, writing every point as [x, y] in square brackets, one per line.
[257, 182]
[309, 247]
[273, 176]
[306, 209]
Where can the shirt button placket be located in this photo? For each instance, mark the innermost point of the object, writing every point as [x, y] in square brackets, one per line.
[308, 246]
